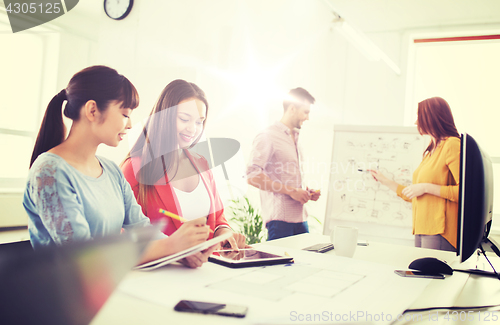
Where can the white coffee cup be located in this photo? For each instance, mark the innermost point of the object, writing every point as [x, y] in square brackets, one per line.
[345, 240]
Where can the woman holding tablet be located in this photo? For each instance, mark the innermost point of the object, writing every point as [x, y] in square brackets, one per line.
[72, 194]
[165, 175]
[434, 192]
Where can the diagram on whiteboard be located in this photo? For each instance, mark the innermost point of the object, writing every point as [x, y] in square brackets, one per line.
[353, 193]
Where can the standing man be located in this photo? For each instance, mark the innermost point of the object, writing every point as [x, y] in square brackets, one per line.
[275, 169]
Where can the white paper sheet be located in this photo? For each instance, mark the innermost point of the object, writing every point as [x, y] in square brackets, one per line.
[352, 290]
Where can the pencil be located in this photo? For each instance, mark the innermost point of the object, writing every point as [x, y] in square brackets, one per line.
[176, 217]
[172, 215]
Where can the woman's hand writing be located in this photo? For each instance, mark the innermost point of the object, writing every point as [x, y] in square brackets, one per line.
[191, 233]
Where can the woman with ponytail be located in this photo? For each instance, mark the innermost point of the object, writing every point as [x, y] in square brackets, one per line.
[71, 193]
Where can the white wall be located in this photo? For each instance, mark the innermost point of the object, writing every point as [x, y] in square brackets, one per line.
[244, 55]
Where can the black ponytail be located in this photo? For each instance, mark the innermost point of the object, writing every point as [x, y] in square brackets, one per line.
[99, 83]
[52, 131]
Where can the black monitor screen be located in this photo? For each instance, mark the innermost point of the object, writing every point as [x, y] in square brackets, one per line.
[475, 201]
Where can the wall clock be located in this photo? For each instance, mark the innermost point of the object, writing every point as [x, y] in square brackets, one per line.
[117, 9]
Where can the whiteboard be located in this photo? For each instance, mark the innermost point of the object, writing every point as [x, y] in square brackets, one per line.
[355, 198]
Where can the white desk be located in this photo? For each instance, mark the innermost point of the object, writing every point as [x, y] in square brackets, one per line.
[396, 255]
[457, 290]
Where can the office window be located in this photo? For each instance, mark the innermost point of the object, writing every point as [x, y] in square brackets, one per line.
[25, 75]
[464, 71]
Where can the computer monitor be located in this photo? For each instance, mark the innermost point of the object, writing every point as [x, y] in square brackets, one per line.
[475, 201]
[66, 284]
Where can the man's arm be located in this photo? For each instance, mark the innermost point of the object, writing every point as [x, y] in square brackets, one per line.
[263, 182]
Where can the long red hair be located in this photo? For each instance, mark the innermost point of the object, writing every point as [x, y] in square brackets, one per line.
[435, 119]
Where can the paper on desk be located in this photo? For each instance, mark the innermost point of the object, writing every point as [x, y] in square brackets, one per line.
[335, 289]
[380, 296]
[180, 255]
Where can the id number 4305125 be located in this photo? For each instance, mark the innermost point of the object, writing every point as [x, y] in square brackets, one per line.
[482, 316]
[25, 7]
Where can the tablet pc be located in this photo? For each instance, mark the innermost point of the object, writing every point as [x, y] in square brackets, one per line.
[248, 258]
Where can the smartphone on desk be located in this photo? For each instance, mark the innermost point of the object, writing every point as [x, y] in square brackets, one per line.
[418, 274]
[319, 248]
[211, 308]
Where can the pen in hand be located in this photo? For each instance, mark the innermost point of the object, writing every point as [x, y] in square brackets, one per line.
[176, 217]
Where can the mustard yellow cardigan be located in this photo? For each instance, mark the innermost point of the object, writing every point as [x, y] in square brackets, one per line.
[433, 215]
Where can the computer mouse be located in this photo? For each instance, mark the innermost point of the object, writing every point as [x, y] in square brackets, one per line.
[431, 265]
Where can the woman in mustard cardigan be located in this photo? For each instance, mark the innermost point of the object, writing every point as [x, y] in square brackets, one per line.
[434, 189]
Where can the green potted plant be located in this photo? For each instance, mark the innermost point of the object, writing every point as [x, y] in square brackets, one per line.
[248, 220]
